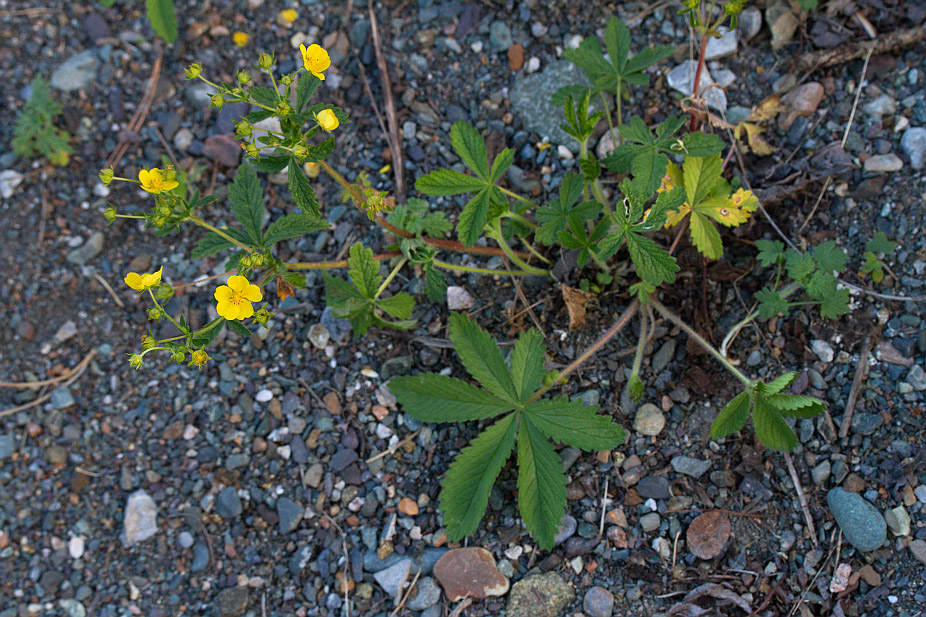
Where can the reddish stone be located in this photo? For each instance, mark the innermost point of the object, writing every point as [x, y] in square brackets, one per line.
[516, 57]
[469, 572]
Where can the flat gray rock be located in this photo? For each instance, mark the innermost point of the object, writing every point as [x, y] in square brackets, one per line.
[77, 72]
[393, 578]
[861, 523]
[141, 518]
[531, 94]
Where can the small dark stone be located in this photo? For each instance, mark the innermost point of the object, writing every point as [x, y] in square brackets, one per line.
[454, 113]
[232, 602]
[96, 28]
[341, 459]
[469, 19]
[223, 149]
[228, 116]
[290, 514]
[576, 546]
[227, 503]
[116, 104]
[653, 487]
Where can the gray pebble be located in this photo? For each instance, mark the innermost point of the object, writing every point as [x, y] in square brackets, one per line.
[427, 596]
[290, 514]
[861, 523]
[690, 466]
[598, 602]
[228, 503]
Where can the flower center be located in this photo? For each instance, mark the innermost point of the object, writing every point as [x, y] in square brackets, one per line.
[237, 298]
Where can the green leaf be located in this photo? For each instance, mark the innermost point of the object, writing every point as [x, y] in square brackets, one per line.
[666, 201]
[705, 236]
[205, 339]
[654, 264]
[339, 293]
[771, 428]
[319, 152]
[471, 147]
[465, 489]
[771, 303]
[701, 175]
[648, 169]
[880, 244]
[541, 484]
[829, 257]
[800, 266]
[399, 306]
[575, 92]
[732, 417]
[778, 385]
[302, 191]
[770, 252]
[435, 284]
[480, 355]
[448, 182]
[415, 217]
[163, 18]
[575, 424]
[501, 164]
[527, 363]
[210, 244]
[700, 144]
[797, 406]
[821, 285]
[238, 328]
[873, 267]
[292, 225]
[553, 218]
[473, 218]
[270, 164]
[364, 270]
[305, 88]
[265, 96]
[436, 398]
[295, 279]
[835, 305]
[247, 201]
[591, 168]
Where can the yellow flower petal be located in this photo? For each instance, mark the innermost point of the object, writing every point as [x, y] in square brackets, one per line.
[144, 176]
[240, 38]
[245, 310]
[226, 310]
[252, 293]
[238, 283]
[223, 293]
[134, 280]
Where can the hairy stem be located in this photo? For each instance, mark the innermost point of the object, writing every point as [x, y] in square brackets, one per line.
[641, 346]
[391, 276]
[490, 271]
[500, 238]
[607, 114]
[328, 265]
[198, 221]
[693, 125]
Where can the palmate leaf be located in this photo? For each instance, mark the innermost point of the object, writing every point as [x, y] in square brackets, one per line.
[436, 398]
[527, 363]
[466, 487]
[471, 147]
[770, 252]
[880, 244]
[364, 270]
[247, 201]
[653, 263]
[836, 304]
[829, 257]
[732, 417]
[415, 217]
[575, 424]
[541, 484]
[474, 216]
[771, 428]
[399, 306]
[701, 175]
[480, 355]
[553, 217]
[770, 303]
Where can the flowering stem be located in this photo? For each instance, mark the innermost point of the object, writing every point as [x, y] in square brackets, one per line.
[391, 276]
[641, 346]
[328, 265]
[585, 355]
[534, 252]
[701, 341]
[449, 266]
[166, 314]
[129, 216]
[198, 221]
[514, 195]
[597, 191]
[500, 238]
[693, 125]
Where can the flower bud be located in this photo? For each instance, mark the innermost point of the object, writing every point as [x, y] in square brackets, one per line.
[199, 358]
[257, 259]
[300, 151]
[178, 355]
[110, 213]
[265, 61]
[193, 71]
[244, 77]
[286, 80]
[262, 316]
[148, 342]
[164, 292]
[252, 151]
[217, 100]
[154, 314]
[312, 169]
[135, 361]
[106, 176]
[243, 129]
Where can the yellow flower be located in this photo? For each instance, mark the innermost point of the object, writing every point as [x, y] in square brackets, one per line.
[240, 38]
[315, 59]
[199, 358]
[234, 299]
[327, 120]
[156, 181]
[289, 15]
[141, 282]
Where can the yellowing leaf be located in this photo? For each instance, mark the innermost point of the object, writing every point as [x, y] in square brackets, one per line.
[705, 236]
[766, 110]
[730, 211]
[675, 217]
[757, 144]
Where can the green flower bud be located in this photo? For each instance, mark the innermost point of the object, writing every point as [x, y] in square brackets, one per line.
[164, 292]
[217, 100]
[286, 80]
[106, 176]
[243, 129]
[257, 259]
[154, 314]
[193, 71]
[178, 356]
[244, 77]
[148, 342]
[110, 213]
[252, 151]
[265, 61]
[135, 361]
[262, 316]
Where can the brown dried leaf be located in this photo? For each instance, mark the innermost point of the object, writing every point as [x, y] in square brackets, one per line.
[708, 534]
[575, 300]
[719, 592]
[770, 107]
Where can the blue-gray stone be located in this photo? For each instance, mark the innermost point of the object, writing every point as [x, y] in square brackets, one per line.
[339, 329]
[567, 528]
[690, 466]
[531, 100]
[598, 602]
[424, 562]
[290, 514]
[61, 398]
[500, 36]
[228, 503]
[88, 250]
[427, 596]
[300, 559]
[861, 523]
[77, 72]
[372, 562]
[392, 578]
[866, 423]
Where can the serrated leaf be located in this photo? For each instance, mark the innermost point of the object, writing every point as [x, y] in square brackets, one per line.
[295, 279]
[205, 339]
[399, 306]
[480, 355]
[621, 158]
[800, 266]
[238, 328]
[292, 225]
[705, 236]
[698, 144]
[654, 264]
[163, 18]
[829, 257]
[835, 304]
[771, 428]
[270, 164]
[797, 406]
[465, 489]
[770, 303]
[527, 363]
[732, 417]
[575, 424]
[435, 283]
[364, 270]
[552, 218]
[701, 175]
[501, 164]
[666, 201]
[473, 218]
[305, 88]
[648, 169]
[820, 285]
[541, 484]
[210, 244]
[302, 191]
[414, 217]
[880, 244]
[471, 147]
[778, 384]
[247, 201]
[448, 182]
[575, 92]
[265, 96]
[436, 398]
[770, 252]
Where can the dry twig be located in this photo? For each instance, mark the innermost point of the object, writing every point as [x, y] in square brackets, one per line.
[852, 51]
[68, 379]
[139, 116]
[861, 370]
[395, 145]
[801, 498]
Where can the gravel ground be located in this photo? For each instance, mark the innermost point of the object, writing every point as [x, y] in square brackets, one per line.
[253, 487]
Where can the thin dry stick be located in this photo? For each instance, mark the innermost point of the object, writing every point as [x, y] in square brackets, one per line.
[394, 144]
[801, 498]
[462, 606]
[604, 506]
[70, 378]
[861, 370]
[108, 288]
[170, 152]
[45, 213]
[852, 51]
[403, 598]
[139, 116]
[389, 451]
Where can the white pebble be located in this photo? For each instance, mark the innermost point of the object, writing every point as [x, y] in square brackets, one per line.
[263, 396]
[533, 64]
[76, 547]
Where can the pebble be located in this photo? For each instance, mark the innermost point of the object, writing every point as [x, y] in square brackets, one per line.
[567, 529]
[861, 523]
[458, 299]
[665, 354]
[749, 23]
[883, 163]
[76, 547]
[801, 101]
[263, 396]
[290, 514]
[823, 350]
[72, 607]
[919, 491]
[539, 595]
[393, 578]
[649, 420]
[232, 602]
[6, 446]
[140, 520]
[88, 250]
[821, 473]
[913, 143]
[598, 602]
[500, 36]
[531, 96]
[690, 466]
[66, 331]
[918, 548]
[533, 65]
[228, 503]
[870, 575]
[96, 27]
[469, 572]
[61, 398]
[183, 139]
[428, 594]
[223, 149]
[77, 72]
[9, 180]
[516, 57]
[681, 78]
[866, 423]
[917, 377]
[650, 522]
[884, 105]
[653, 487]
[898, 521]
[720, 47]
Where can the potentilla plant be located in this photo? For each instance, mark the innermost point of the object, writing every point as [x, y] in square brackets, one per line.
[669, 181]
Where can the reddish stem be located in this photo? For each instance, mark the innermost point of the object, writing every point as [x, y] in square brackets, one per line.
[693, 126]
[449, 245]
